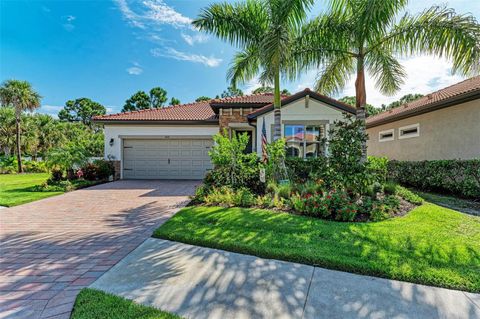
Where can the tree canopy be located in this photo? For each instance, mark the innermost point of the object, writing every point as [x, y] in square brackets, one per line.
[269, 89]
[158, 97]
[174, 101]
[202, 98]
[403, 100]
[81, 110]
[370, 109]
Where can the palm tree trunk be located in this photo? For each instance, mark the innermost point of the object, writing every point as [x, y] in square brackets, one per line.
[277, 115]
[19, 153]
[361, 101]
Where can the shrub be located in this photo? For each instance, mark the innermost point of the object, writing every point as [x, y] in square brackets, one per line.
[378, 213]
[232, 166]
[408, 195]
[284, 191]
[347, 213]
[378, 167]
[35, 167]
[391, 203]
[8, 164]
[300, 170]
[390, 188]
[105, 169]
[458, 177]
[346, 168]
[243, 197]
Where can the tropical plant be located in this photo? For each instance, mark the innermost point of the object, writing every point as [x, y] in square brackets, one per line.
[231, 91]
[264, 31]
[21, 96]
[355, 37]
[81, 110]
[7, 130]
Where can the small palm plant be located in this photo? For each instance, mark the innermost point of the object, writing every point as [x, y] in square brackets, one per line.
[21, 96]
[264, 30]
[361, 36]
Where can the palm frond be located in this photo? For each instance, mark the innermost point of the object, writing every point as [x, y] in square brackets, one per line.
[335, 74]
[245, 65]
[441, 32]
[389, 74]
[240, 24]
[323, 39]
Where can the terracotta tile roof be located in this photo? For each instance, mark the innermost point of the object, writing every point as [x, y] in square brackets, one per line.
[200, 111]
[260, 98]
[427, 102]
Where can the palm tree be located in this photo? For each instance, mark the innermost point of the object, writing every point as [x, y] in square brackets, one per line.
[264, 30]
[361, 36]
[21, 96]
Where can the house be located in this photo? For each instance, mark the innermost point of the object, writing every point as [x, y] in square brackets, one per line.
[173, 142]
[441, 125]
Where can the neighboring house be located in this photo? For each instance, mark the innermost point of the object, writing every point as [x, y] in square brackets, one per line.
[442, 125]
[173, 142]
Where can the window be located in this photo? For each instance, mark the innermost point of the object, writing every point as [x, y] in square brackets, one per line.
[409, 131]
[387, 135]
[303, 140]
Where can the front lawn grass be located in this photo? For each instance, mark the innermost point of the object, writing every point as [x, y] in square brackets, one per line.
[16, 189]
[431, 245]
[95, 304]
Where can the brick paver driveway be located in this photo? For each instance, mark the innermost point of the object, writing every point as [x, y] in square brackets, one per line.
[52, 248]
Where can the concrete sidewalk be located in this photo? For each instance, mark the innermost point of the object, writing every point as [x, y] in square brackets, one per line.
[197, 282]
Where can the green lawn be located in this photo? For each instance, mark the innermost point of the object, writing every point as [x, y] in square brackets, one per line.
[431, 245]
[94, 304]
[16, 189]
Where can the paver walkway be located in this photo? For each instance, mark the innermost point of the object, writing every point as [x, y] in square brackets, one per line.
[198, 282]
[50, 249]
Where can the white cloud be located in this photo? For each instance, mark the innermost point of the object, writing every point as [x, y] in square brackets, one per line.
[153, 12]
[182, 56]
[135, 70]
[252, 85]
[163, 14]
[196, 38]
[425, 74]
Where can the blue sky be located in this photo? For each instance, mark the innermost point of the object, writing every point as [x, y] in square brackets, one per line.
[107, 50]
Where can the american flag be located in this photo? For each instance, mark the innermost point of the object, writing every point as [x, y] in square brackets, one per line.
[264, 143]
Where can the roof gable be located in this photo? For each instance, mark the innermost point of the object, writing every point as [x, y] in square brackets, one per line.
[289, 99]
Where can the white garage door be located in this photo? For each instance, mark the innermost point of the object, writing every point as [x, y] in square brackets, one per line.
[166, 158]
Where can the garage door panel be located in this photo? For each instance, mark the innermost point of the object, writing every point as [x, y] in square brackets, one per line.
[166, 159]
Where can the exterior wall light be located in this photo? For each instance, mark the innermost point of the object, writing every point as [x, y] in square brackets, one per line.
[112, 141]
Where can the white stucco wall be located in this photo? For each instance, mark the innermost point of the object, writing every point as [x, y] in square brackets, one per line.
[119, 130]
[296, 111]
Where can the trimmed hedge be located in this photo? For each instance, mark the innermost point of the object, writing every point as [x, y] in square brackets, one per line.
[459, 177]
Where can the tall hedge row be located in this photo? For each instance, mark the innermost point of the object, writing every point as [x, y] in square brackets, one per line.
[459, 177]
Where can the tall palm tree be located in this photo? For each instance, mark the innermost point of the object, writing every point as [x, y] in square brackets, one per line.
[360, 36]
[264, 30]
[21, 96]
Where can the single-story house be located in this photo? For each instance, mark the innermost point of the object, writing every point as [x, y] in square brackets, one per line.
[173, 142]
[441, 125]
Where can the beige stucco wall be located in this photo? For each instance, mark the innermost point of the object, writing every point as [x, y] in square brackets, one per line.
[297, 111]
[448, 133]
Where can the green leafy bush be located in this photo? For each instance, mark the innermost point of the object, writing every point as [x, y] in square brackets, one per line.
[458, 177]
[300, 170]
[228, 196]
[232, 165]
[390, 188]
[408, 195]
